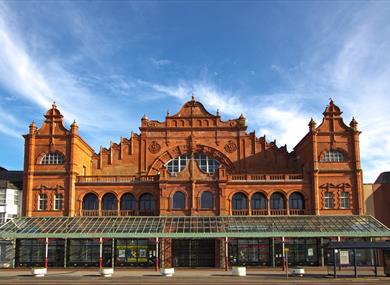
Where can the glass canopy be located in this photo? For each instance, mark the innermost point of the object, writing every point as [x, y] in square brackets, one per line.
[194, 227]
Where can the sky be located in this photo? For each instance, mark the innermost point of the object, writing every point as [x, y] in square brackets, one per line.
[107, 63]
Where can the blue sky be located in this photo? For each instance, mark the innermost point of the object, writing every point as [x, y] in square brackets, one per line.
[106, 63]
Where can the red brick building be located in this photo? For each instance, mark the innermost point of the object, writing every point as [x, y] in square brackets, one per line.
[195, 173]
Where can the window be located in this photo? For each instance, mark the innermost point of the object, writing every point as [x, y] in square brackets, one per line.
[127, 202]
[53, 158]
[90, 202]
[206, 163]
[179, 201]
[42, 202]
[259, 201]
[176, 165]
[2, 218]
[58, 201]
[109, 202]
[333, 156]
[3, 196]
[277, 201]
[328, 202]
[16, 197]
[296, 201]
[206, 200]
[240, 201]
[146, 203]
[344, 200]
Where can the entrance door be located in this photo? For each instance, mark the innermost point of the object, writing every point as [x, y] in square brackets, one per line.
[193, 252]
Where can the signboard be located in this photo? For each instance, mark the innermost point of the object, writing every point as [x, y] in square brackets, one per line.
[310, 252]
[386, 262]
[344, 257]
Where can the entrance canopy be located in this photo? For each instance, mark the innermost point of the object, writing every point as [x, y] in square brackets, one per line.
[193, 227]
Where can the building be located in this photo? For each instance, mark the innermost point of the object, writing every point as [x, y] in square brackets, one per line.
[377, 198]
[10, 194]
[191, 191]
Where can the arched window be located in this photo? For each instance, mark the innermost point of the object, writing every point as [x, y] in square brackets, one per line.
[328, 200]
[206, 163]
[239, 202]
[297, 201]
[177, 164]
[277, 201]
[146, 202]
[179, 201]
[259, 201]
[127, 202]
[333, 156]
[90, 202]
[53, 158]
[344, 200]
[58, 201]
[206, 200]
[42, 202]
[109, 202]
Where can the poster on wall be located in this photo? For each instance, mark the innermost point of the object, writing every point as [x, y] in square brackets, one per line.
[344, 257]
[310, 252]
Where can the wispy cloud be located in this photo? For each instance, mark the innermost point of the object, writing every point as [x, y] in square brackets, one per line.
[159, 62]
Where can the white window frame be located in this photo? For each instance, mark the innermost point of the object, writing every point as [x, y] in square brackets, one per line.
[333, 156]
[53, 158]
[328, 200]
[58, 198]
[42, 200]
[344, 200]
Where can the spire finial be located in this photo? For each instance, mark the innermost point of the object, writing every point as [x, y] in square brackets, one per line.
[192, 97]
[54, 105]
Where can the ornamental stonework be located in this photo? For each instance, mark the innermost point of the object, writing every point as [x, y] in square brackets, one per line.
[230, 147]
[154, 147]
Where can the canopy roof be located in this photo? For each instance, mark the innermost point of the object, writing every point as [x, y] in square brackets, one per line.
[194, 227]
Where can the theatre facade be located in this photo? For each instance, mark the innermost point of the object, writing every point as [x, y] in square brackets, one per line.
[191, 191]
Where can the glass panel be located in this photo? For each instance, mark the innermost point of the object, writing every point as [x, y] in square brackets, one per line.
[206, 201]
[179, 200]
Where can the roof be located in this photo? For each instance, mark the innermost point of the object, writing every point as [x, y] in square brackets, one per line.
[359, 244]
[194, 227]
[14, 178]
[383, 178]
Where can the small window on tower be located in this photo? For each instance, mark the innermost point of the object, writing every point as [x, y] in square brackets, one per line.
[53, 158]
[333, 156]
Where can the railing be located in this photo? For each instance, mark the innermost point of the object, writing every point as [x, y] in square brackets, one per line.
[115, 179]
[297, 211]
[123, 213]
[262, 212]
[265, 177]
[278, 212]
[240, 212]
[90, 212]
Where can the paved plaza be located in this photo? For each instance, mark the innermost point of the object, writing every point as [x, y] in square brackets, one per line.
[189, 276]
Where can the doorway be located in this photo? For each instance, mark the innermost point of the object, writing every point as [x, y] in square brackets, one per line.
[193, 252]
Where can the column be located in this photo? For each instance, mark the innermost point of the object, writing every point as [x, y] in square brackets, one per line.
[100, 253]
[46, 252]
[157, 255]
[283, 256]
[226, 254]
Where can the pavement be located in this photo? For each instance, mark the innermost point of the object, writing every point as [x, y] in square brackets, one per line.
[316, 275]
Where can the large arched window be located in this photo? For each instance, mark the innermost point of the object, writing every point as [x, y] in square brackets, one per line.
[259, 201]
[206, 163]
[53, 158]
[127, 202]
[333, 156]
[296, 201]
[90, 202]
[239, 202]
[146, 203]
[179, 201]
[109, 202]
[277, 201]
[206, 200]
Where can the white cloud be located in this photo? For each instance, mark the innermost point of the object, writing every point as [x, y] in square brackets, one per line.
[159, 62]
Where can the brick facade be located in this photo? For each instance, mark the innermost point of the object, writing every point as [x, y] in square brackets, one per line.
[248, 164]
